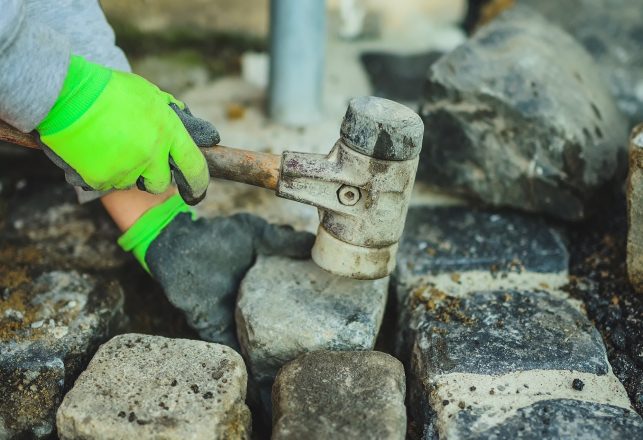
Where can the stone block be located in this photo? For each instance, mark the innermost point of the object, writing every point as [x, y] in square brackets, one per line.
[549, 420]
[327, 394]
[140, 386]
[520, 116]
[290, 307]
[457, 239]
[497, 332]
[635, 211]
[50, 325]
[448, 251]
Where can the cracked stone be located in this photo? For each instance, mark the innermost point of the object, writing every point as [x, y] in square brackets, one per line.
[543, 134]
[195, 390]
[327, 394]
[290, 307]
[50, 324]
[489, 330]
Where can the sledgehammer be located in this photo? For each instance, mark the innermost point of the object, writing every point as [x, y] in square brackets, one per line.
[361, 188]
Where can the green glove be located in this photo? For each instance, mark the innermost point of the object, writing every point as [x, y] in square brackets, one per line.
[114, 130]
[200, 263]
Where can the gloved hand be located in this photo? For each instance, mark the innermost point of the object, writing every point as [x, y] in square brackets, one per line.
[113, 130]
[200, 263]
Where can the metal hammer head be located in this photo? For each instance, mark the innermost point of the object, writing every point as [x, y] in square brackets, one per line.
[362, 187]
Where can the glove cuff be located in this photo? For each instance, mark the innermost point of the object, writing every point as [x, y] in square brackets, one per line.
[148, 227]
[83, 85]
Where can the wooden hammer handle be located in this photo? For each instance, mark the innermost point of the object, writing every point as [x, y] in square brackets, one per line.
[253, 168]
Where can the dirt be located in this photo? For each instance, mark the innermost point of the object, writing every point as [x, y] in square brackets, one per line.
[599, 279]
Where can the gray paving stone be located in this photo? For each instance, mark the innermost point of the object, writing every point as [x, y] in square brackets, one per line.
[140, 386]
[489, 334]
[496, 332]
[552, 419]
[459, 238]
[290, 307]
[520, 116]
[450, 251]
[347, 395]
[50, 325]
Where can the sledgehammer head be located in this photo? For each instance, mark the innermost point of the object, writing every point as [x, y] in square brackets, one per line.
[362, 187]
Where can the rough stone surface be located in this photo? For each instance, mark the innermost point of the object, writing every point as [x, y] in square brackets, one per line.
[635, 210]
[447, 251]
[194, 390]
[520, 116]
[553, 419]
[64, 288]
[347, 395]
[49, 327]
[496, 332]
[612, 31]
[46, 221]
[460, 238]
[490, 337]
[290, 307]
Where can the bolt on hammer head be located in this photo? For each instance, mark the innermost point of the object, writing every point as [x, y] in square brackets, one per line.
[362, 187]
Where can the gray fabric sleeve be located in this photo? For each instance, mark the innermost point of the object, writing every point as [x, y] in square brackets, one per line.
[84, 25]
[33, 64]
[89, 34]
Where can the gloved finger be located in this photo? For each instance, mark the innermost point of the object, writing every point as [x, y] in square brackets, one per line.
[270, 239]
[156, 178]
[189, 167]
[170, 99]
[71, 175]
[202, 132]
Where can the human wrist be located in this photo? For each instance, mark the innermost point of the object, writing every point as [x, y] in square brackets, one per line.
[138, 238]
[83, 85]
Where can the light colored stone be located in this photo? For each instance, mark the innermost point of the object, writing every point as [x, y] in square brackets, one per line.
[289, 307]
[347, 395]
[140, 386]
[635, 210]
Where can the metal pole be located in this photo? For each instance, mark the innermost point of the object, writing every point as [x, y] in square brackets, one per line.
[297, 45]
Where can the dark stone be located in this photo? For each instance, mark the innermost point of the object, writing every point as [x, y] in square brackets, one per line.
[326, 394]
[398, 77]
[503, 331]
[599, 279]
[452, 239]
[48, 222]
[578, 384]
[612, 31]
[520, 116]
[50, 325]
[553, 419]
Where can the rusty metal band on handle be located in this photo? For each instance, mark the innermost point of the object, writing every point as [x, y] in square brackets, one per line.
[253, 168]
